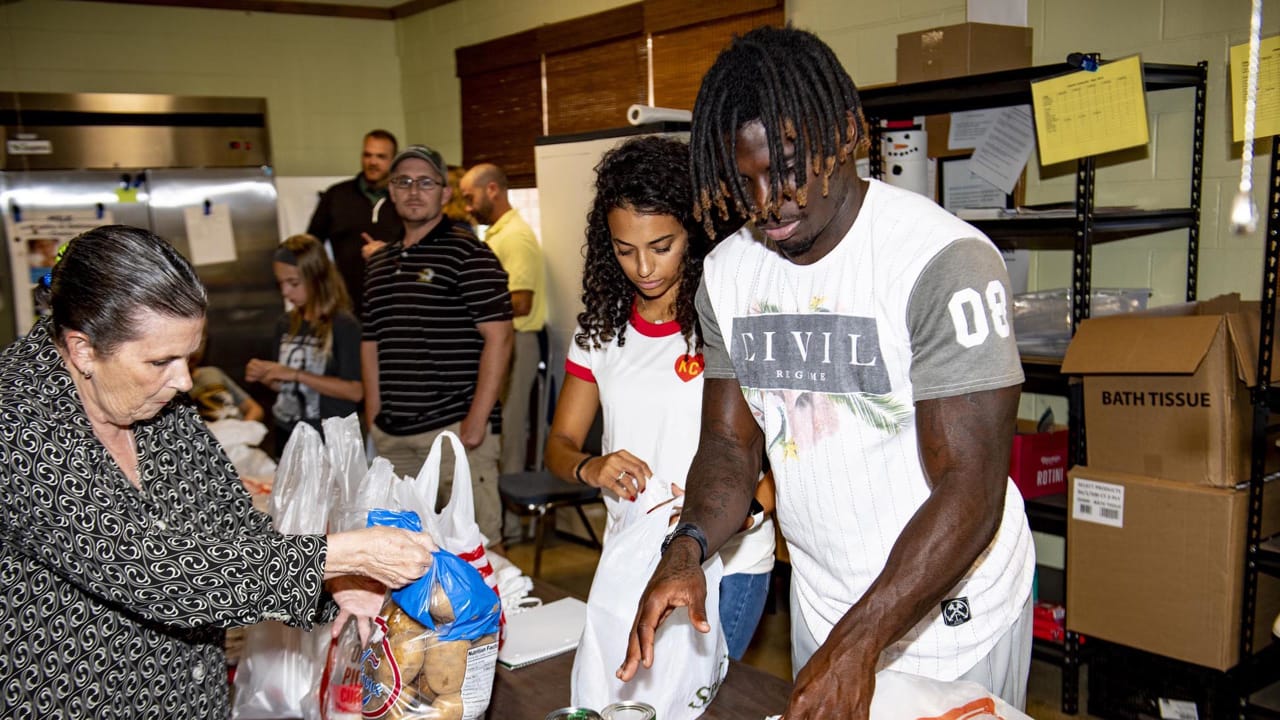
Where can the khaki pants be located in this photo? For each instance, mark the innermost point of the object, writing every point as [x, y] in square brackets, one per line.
[515, 402]
[407, 453]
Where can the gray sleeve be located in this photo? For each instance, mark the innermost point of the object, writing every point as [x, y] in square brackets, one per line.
[715, 356]
[960, 319]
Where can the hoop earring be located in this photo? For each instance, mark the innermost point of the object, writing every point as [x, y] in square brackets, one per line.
[87, 375]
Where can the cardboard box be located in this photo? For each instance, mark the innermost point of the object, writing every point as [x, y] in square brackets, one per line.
[964, 49]
[1158, 565]
[1038, 460]
[1166, 391]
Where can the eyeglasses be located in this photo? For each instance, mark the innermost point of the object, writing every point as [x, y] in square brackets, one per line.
[425, 184]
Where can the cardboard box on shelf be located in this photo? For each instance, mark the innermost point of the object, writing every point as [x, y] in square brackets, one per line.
[1038, 460]
[1166, 391]
[964, 49]
[1158, 565]
[938, 128]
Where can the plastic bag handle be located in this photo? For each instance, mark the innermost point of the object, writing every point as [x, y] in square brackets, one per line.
[461, 498]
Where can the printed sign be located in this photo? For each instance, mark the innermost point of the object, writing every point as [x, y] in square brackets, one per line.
[29, 147]
[1098, 502]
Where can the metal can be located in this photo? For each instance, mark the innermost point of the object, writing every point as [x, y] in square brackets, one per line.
[629, 711]
[573, 713]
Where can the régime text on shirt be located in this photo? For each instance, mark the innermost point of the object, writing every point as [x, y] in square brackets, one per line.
[819, 352]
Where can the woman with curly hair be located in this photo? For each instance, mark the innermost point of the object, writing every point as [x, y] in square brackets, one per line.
[636, 356]
[317, 371]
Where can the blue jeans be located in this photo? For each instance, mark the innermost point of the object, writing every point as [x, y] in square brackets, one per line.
[742, 599]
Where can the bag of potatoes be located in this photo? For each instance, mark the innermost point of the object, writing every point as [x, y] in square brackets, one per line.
[434, 647]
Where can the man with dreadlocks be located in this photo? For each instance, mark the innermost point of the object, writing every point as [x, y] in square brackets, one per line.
[864, 343]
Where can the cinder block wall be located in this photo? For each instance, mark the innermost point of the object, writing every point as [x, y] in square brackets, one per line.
[326, 80]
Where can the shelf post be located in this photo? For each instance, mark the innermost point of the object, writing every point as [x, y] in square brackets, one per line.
[1197, 173]
[1082, 252]
[874, 160]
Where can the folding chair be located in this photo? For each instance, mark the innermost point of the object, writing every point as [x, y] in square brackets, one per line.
[537, 493]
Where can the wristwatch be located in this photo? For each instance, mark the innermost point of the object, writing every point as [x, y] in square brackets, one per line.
[693, 531]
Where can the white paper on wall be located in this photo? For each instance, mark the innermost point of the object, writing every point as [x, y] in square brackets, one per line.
[968, 127]
[209, 233]
[35, 238]
[998, 12]
[1004, 149]
[297, 198]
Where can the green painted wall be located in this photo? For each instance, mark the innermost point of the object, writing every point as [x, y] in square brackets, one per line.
[326, 80]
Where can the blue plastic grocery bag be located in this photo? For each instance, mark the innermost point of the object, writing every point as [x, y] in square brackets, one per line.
[476, 609]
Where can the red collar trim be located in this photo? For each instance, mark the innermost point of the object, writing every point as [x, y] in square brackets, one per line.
[650, 329]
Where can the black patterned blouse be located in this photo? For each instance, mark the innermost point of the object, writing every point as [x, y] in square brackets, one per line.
[113, 600]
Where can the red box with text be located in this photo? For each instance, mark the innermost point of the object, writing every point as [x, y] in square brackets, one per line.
[1038, 462]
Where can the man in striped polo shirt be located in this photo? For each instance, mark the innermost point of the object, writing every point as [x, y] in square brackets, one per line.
[437, 337]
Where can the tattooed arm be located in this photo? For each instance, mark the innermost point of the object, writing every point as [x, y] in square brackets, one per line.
[964, 446]
[721, 483]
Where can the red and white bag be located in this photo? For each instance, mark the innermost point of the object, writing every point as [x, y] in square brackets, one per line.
[901, 696]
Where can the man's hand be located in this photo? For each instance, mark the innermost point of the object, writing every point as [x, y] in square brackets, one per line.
[370, 246]
[677, 582]
[836, 684]
[472, 432]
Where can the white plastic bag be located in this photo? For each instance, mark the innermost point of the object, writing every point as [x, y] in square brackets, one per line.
[901, 696]
[376, 490]
[688, 666]
[454, 528]
[344, 446]
[280, 665]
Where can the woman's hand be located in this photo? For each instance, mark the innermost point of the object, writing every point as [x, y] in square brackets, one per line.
[358, 597]
[619, 472]
[267, 372]
[392, 556]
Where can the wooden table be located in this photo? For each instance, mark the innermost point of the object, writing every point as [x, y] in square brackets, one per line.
[535, 690]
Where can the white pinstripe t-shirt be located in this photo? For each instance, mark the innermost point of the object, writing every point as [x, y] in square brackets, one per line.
[910, 305]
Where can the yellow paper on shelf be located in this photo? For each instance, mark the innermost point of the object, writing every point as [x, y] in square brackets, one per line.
[1091, 112]
[1267, 119]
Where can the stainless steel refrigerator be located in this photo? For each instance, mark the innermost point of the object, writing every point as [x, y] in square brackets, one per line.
[75, 161]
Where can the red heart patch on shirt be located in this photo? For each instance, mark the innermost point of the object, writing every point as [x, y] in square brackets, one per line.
[689, 367]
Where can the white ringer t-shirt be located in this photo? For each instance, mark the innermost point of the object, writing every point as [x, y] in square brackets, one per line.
[651, 397]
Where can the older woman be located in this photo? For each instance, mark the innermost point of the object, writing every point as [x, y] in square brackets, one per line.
[127, 543]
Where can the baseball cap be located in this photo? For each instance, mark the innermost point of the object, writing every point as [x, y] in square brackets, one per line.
[422, 152]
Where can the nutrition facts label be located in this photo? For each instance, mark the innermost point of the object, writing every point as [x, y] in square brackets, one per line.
[1091, 112]
[482, 662]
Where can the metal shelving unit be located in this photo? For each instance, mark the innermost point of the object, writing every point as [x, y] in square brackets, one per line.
[1084, 226]
[1257, 670]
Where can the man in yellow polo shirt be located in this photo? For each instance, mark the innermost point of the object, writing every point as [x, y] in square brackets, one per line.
[484, 188]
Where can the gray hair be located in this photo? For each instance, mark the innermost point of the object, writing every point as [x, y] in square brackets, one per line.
[108, 275]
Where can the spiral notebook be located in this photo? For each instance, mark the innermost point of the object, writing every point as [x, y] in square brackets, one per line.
[543, 632]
